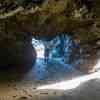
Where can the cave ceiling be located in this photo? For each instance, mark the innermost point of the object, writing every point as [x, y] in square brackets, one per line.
[48, 18]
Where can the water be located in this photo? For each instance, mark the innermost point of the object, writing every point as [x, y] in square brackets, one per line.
[56, 58]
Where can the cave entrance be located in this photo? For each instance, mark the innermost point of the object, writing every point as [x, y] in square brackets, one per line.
[39, 47]
[56, 57]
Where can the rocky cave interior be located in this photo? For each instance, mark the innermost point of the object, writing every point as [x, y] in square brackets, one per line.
[45, 42]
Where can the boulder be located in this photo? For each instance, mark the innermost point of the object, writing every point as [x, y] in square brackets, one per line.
[16, 50]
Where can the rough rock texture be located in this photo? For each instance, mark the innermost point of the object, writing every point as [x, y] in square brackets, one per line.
[53, 17]
[20, 20]
[15, 48]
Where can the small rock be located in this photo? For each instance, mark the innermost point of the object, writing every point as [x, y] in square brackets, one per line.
[14, 96]
[98, 42]
[23, 98]
[44, 93]
[25, 91]
[34, 88]
[30, 95]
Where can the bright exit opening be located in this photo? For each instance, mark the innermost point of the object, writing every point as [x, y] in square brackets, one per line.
[39, 47]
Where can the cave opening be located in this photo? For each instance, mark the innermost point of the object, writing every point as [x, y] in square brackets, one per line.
[39, 47]
[56, 57]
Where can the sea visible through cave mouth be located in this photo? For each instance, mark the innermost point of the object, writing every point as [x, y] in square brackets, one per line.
[61, 58]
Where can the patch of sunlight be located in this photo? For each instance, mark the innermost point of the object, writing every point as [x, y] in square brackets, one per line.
[73, 83]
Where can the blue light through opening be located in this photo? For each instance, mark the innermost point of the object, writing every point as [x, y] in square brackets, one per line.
[56, 57]
[39, 47]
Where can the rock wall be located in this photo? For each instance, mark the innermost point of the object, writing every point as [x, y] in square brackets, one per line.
[53, 17]
[18, 23]
[15, 47]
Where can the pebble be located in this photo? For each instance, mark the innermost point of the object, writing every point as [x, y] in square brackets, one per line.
[23, 98]
[25, 91]
[14, 96]
[34, 88]
[98, 42]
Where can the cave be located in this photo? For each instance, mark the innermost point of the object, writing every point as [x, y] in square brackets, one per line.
[49, 47]
[59, 51]
[61, 56]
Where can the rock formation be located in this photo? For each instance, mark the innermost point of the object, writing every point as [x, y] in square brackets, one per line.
[19, 21]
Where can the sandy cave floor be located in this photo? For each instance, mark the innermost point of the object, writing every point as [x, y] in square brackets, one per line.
[25, 87]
